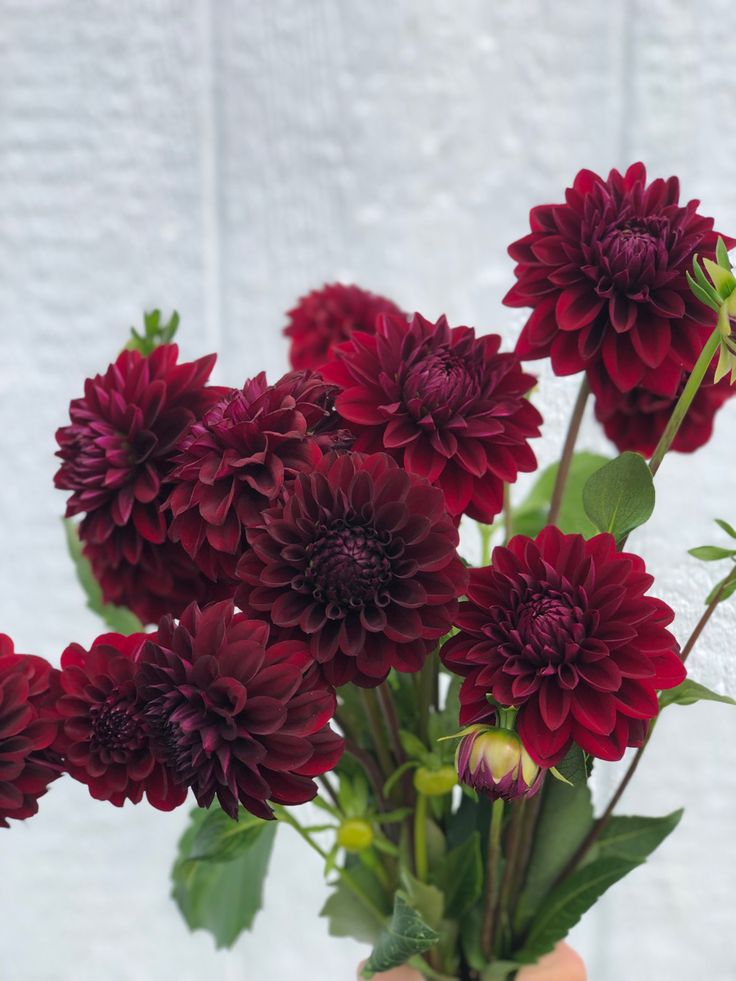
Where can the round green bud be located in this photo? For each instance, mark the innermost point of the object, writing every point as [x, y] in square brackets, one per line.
[355, 835]
[435, 783]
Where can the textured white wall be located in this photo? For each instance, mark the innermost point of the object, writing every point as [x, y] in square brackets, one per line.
[223, 157]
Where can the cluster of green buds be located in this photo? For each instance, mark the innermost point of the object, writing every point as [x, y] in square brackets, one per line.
[494, 762]
[717, 290]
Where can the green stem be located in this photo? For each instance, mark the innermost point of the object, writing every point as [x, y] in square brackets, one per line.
[426, 696]
[421, 862]
[392, 720]
[375, 724]
[485, 543]
[563, 470]
[283, 815]
[707, 614]
[509, 874]
[508, 514]
[494, 854]
[685, 400]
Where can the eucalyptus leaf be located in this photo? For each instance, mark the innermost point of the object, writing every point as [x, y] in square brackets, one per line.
[406, 935]
[221, 895]
[117, 618]
[620, 496]
[531, 516]
[688, 692]
[566, 904]
[460, 876]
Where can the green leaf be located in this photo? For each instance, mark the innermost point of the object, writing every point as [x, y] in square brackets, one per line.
[406, 935]
[567, 903]
[117, 618]
[220, 839]
[689, 692]
[347, 915]
[460, 876]
[729, 529]
[635, 838]
[531, 516]
[620, 496]
[723, 590]
[426, 899]
[711, 553]
[155, 332]
[573, 766]
[706, 294]
[722, 254]
[565, 818]
[413, 746]
[219, 894]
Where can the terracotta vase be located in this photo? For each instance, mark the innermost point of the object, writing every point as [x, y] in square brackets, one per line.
[563, 964]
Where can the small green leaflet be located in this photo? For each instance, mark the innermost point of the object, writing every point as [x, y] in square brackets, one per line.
[117, 618]
[689, 692]
[218, 884]
[620, 496]
[460, 876]
[531, 515]
[406, 935]
[155, 332]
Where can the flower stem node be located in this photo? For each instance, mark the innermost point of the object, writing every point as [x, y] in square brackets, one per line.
[495, 763]
[435, 783]
[355, 835]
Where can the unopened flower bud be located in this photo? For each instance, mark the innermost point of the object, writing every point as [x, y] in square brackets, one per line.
[435, 783]
[495, 763]
[355, 835]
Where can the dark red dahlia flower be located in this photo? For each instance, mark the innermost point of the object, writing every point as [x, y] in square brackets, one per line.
[362, 560]
[105, 735]
[234, 716]
[444, 403]
[561, 628]
[605, 274]
[637, 419]
[117, 456]
[328, 316]
[28, 726]
[234, 462]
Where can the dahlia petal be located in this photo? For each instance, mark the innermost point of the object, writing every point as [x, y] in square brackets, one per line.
[577, 307]
[545, 746]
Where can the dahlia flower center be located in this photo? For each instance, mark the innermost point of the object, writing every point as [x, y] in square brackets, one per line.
[443, 380]
[545, 627]
[348, 567]
[635, 240]
[115, 727]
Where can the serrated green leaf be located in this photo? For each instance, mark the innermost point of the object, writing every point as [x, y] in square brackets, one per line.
[573, 766]
[566, 904]
[220, 839]
[711, 553]
[620, 496]
[347, 915]
[635, 838]
[531, 516]
[221, 896]
[406, 935]
[117, 618]
[689, 692]
[460, 876]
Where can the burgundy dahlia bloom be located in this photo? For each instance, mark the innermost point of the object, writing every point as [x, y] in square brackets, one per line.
[28, 726]
[329, 316]
[234, 716]
[605, 275]
[116, 458]
[105, 736]
[561, 628]
[637, 419]
[234, 463]
[362, 560]
[444, 403]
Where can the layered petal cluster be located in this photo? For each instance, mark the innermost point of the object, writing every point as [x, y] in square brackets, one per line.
[361, 560]
[444, 403]
[562, 628]
[234, 716]
[116, 458]
[104, 735]
[636, 420]
[605, 275]
[234, 463]
[494, 763]
[28, 727]
[329, 316]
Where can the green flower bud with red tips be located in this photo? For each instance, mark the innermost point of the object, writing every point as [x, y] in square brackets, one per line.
[494, 763]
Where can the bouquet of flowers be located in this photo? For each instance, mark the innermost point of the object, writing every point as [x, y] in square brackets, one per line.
[290, 618]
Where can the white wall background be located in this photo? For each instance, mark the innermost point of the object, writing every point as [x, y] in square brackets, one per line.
[222, 158]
